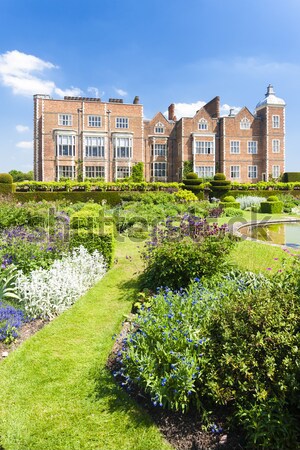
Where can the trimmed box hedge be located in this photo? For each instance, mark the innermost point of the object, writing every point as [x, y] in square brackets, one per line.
[235, 205]
[291, 177]
[271, 207]
[112, 198]
[104, 243]
[7, 188]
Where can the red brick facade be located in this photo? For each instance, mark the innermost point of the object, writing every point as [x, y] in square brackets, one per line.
[89, 138]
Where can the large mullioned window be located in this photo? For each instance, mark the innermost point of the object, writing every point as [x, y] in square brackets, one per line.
[204, 147]
[159, 170]
[123, 147]
[95, 172]
[94, 146]
[65, 145]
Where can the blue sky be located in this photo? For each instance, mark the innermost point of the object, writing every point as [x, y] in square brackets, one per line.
[182, 52]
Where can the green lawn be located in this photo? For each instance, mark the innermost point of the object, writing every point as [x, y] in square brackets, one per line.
[56, 393]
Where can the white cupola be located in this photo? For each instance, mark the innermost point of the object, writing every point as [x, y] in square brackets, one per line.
[270, 99]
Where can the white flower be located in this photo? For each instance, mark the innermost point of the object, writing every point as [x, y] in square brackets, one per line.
[47, 293]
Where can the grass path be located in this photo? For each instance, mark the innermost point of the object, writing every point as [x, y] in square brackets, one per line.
[55, 391]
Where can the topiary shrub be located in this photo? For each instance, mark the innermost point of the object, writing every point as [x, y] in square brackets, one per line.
[228, 199]
[270, 207]
[219, 176]
[192, 176]
[219, 185]
[6, 178]
[273, 198]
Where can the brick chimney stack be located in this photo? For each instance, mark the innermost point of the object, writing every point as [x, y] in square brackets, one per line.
[171, 111]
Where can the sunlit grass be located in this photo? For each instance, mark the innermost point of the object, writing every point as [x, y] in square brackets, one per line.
[56, 393]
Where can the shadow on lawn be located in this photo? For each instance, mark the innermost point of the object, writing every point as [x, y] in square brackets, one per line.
[115, 398]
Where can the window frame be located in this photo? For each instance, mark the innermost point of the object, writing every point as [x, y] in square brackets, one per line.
[245, 124]
[162, 152]
[62, 168]
[251, 168]
[159, 128]
[123, 169]
[94, 121]
[250, 150]
[88, 146]
[119, 149]
[276, 148]
[204, 148]
[273, 167]
[235, 169]
[95, 168]
[122, 122]
[202, 124]
[71, 152]
[157, 166]
[275, 121]
[65, 120]
[235, 145]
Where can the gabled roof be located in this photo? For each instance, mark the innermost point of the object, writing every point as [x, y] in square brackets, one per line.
[159, 117]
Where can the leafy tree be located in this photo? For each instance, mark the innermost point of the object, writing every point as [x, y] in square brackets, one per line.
[18, 175]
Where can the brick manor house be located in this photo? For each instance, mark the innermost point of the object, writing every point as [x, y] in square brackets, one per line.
[105, 139]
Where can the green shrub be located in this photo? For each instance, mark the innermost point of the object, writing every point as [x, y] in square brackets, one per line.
[194, 189]
[187, 168]
[232, 212]
[273, 198]
[219, 176]
[6, 178]
[184, 196]
[271, 207]
[219, 343]
[191, 176]
[112, 198]
[180, 252]
[137, 174]
[92, 241]
[228, 198]
[192, 182]
[235, 205]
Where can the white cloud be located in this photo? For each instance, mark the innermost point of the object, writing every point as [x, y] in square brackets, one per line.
[121, 92]
[22, 128]
[95, 91]
[225, 109]
[186, 109]
[71, 92]
[25, 145]
[24, 74]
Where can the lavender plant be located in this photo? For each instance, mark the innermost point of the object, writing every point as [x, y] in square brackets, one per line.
[48, 292]
[11, 320]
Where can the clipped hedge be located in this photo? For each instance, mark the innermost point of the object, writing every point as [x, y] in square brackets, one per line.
[271, 207]
[291, 177]
[92, 241]
[6, 178]
[112, 198]
[235, 205]
[87, 186]
[6, 188]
